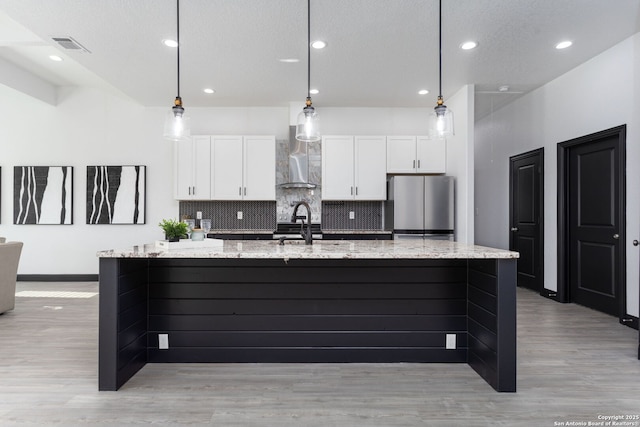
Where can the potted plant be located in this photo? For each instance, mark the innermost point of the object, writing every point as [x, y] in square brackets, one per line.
[173, 230]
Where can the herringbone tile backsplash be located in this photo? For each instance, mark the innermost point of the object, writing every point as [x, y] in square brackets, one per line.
[367, 215]
[224, 214]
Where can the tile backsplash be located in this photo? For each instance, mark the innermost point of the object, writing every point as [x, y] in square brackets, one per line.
[353, 215]
[224, 214]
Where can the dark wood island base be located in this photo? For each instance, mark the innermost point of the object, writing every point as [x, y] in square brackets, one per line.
[307, 310]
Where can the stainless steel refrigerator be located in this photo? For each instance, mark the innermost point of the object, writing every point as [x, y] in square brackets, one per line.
[420, 206]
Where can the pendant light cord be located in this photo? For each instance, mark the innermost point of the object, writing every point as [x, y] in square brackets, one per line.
[308, 48]
[440, 45]
[178, 41]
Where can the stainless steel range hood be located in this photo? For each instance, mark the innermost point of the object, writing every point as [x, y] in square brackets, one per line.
[298, 163]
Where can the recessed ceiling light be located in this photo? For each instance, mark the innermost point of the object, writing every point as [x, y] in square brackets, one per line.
[423, 92]
[318, 44]
[289, 60]
[564, 44]
[468, 45]
[170, 42]
[55, 58]
[209, 90]
[314, 91]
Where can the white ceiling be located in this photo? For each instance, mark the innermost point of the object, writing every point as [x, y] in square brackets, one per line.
[379, 53]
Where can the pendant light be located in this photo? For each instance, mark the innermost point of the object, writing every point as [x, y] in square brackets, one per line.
[177, 124]
[441, 119]
[307, 129]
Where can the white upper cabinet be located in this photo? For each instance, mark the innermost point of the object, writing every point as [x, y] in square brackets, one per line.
[337, 167]
[410, 154]
[401, 154]
[370, 168]
[243, 167]
[259, 168]
[226, 167]
[193, 168]
[354, 168]
[431, 155]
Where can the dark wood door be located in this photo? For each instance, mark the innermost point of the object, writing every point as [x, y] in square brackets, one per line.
[526, 216]
[595, 218]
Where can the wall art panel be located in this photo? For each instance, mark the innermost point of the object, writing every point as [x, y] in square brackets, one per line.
[116, 194]
[43, 195]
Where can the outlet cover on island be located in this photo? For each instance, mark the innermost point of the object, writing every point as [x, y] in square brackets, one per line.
[239, 214]
[352, 215]
[163, 341]
[199, 215]
[451, 341]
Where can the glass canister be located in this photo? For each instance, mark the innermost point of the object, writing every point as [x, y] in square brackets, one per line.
[197, 234]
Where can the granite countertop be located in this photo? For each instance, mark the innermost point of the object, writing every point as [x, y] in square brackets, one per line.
[342, 249]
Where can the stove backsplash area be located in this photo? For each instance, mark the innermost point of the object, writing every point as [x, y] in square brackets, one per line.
[286, 198]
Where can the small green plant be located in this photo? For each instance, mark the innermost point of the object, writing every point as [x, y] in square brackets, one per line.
[173, 230]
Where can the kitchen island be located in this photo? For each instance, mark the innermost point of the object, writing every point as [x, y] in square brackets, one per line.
[333, 301]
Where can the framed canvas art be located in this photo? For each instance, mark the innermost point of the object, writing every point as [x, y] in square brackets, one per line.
[116, 194]
[43, 195]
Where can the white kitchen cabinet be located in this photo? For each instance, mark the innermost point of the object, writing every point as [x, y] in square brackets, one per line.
[354, 168]
[243, 167]
[259, 168]
[192, 169]
[411, 154]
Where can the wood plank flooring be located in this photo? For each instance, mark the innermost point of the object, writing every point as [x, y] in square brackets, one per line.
[574, 364]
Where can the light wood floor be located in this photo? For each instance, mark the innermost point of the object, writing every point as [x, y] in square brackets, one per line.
[574, 364]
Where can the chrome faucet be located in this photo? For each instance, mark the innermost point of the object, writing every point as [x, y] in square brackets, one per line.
[306, 234]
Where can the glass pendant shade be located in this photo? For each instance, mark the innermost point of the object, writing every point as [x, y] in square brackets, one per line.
[177, 125]
[441, 122]
[307, 127]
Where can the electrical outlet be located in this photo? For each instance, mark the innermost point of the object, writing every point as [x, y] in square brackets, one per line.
[352, 215]
[163, 341]
[199, 215]
[451, 342]
[239, 214]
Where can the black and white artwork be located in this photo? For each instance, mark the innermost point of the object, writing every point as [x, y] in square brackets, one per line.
[116, 194]
[43, 195]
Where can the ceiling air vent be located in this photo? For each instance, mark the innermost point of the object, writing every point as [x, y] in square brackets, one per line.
[69, 43]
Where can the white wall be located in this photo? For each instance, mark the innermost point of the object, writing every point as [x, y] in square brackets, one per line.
[599, 94]
[460, 161]
[91, 127]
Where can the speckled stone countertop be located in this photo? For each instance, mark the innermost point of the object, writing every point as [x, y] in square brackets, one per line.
[334, 249]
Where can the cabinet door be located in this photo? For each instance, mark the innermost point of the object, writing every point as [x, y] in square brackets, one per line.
[432, 155]
[201, 168]
[183, 154]
[370, 167]
[259, 168]
[337, 168]
[401, 154]
[226, 172]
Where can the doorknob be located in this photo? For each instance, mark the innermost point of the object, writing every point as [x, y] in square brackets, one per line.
[616, 236]
[514, 228]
